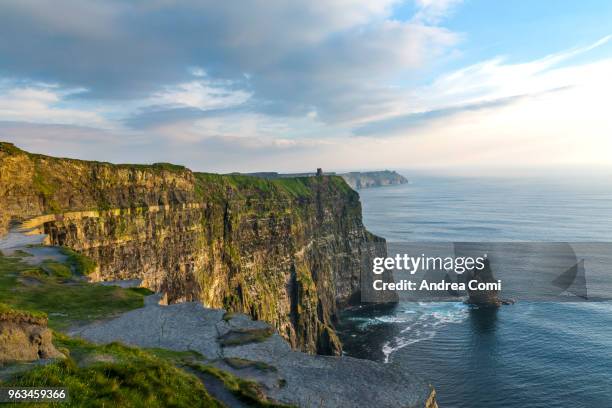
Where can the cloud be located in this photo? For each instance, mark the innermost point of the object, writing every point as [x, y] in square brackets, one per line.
[402, 123]
[278, 85]
[488, 84]
[496, 78]
[221, 152]
[39, 102]
[433, 11]
[290, 57]
[201, 94]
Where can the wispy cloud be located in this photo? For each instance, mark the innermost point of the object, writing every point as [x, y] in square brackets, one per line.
[404, 123]
[40, 102]
[486, 85]
[434, 11]
[201, 94]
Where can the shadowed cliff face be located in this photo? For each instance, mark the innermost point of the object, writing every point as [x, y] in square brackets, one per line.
[288, 251]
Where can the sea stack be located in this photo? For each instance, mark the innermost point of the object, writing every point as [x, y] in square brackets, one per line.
[486, 298]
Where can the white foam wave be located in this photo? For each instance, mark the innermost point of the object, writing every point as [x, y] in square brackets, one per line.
[430, 317]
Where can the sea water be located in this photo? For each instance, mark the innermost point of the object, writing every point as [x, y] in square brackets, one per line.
[530, 354]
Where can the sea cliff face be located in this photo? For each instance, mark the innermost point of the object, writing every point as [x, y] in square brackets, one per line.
[288, 251]
[356, 179]
[368, 179]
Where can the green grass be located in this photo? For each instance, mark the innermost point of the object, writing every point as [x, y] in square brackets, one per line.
[242, 363]
[9, 313]
[217, 185]
[227, 316]
[56, 269]
[116, 375]
[10, 148]
[177, 357]
[81, 264]
[248, 391]
[65, 304]
[142, 291]
[20, 254]
[295, 186]
[237, 337]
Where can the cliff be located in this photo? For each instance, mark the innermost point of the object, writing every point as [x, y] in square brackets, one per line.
[367, 179]
[288, 251]
[356, 180]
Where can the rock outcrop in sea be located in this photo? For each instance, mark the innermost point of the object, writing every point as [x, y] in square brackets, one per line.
[486, 297]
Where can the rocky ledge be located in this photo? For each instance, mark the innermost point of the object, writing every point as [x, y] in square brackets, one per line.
[253, 350]
[24, 337]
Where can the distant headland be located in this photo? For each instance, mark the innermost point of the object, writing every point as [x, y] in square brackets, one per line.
[356, 179]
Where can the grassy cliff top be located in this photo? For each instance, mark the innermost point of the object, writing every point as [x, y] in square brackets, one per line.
[11, 150]
[31, 292]
[9, 313]
[293, 185]
[110, 374]
[73, 185]
[290, 187]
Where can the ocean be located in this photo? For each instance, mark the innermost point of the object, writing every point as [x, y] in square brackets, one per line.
[530, 354]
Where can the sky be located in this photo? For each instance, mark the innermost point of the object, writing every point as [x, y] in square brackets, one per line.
[472, 86]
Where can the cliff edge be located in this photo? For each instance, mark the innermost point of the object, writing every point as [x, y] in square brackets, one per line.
[24, 336]
[288, 251]
[367, 179]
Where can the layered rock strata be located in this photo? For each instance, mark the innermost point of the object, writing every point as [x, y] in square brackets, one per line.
[288, 251]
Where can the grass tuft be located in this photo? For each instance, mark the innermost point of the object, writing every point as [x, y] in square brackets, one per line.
[142, 291]
[9, 313]
[246, 390]
[238, 337]
[56, 269]
[20, 254]
[227, 316]
[81, 264]
[121, 376]
[66, 304]
[242, 363]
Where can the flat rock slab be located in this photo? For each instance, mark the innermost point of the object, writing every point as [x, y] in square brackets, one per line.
[325, 381]
[180, 327]
[18, 239]
[299, 379]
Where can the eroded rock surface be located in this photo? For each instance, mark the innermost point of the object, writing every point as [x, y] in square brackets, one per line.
[25, 338]
[290, 251]
[287, 376]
